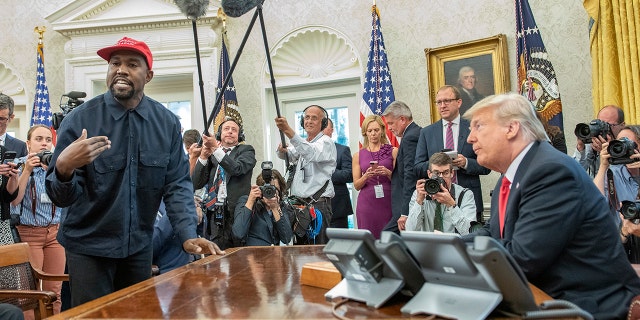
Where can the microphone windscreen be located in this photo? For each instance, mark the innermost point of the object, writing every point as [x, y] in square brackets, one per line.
[75, 94]
[193, 9]
[236, 8]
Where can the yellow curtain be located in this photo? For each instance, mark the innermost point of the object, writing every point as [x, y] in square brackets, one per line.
[615, 39]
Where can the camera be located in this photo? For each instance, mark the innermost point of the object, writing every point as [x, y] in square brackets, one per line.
[432, 185]
[595, 128]
[630, 210]
[621, 151]
[268, 190]
[73, 100]
[45, 157]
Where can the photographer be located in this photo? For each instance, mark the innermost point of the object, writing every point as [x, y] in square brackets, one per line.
[451, 209]
[624, 178]
[261, 219]
[587, 153]
[39, 218]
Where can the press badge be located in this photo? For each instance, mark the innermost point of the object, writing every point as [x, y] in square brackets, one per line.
[378, 190]
[44, 198]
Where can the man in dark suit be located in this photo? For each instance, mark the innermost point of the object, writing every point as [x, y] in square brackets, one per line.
[341, 201]
[467, 87]
[555, 223]
[433, 138]
[403, 178]
[6, 116]
[225, 167]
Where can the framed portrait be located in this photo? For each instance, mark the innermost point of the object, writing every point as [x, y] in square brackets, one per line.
[478, 68]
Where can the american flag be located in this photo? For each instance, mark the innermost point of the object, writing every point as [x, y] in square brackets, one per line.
[536, 77]
[378, 91]
[229, 105]
[41, 107]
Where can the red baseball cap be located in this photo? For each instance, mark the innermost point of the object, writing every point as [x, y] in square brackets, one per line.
[129, 45]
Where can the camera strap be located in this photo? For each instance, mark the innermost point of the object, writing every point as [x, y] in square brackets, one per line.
[612, 195]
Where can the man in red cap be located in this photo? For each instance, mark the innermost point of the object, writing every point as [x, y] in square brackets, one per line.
[118, 155]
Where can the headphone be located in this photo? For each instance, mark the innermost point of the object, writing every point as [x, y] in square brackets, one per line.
[240, 131]
[325, 120]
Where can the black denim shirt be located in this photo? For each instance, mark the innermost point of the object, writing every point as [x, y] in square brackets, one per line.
[110, 205]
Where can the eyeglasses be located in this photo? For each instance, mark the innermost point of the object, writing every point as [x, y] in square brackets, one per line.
[443, 174]
[3, 119]
[446, 102]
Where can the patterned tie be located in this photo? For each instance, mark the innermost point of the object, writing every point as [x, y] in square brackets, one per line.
[448, 144]
[502, 201]
[215, 186]
[437, 219]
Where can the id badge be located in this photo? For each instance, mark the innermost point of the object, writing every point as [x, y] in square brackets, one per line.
[378, 190]
[44, 198]
[222, 192]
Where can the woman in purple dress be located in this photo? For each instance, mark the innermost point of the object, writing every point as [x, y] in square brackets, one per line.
[372, 167]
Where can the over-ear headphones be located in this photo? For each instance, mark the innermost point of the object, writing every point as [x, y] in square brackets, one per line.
[325, 120]
[240, 131]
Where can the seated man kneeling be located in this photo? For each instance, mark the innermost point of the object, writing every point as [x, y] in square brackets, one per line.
[261, 218]
[450, 208]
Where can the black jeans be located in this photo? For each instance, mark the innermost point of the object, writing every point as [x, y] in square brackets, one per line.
[92, 277]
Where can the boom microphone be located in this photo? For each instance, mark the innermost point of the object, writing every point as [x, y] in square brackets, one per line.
[193, 9]
[75, 94]
[236, 8]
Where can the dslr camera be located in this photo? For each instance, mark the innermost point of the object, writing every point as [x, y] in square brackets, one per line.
[432, 185]
[595, 128]
[630, 209]
[621, 151]
[268, 190]
[45, 157]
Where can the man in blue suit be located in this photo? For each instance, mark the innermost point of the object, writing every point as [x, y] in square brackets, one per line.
[548, 213]
[403, 178]
[6, 115]
[341, 201]
[433, 138]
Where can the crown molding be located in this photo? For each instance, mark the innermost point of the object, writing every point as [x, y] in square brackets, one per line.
[91, 17]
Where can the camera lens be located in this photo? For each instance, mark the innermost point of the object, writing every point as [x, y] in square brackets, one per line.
[630, 210]
[268, 191]
[583, 131]
[432, 186]
[45, 157]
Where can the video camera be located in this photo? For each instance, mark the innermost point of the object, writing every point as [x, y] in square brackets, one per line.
[73, 100]
[621, 151]
[432, 185]
[595, 128]
[630, 209]
[268, 190]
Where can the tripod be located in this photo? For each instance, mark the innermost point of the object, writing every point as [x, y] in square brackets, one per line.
[217, 105]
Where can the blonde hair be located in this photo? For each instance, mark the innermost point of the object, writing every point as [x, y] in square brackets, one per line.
[365, 124]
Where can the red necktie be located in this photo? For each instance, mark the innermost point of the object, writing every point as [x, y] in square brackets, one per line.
[502, 201]
[448, 143]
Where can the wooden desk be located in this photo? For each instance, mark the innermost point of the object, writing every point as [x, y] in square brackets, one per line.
[250, 282]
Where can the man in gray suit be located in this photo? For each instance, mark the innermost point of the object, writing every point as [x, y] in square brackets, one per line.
[6, 115]
[403, 179]
[451, 133]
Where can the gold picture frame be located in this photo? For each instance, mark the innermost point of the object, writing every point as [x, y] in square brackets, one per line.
[488, 57]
